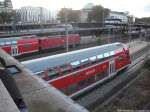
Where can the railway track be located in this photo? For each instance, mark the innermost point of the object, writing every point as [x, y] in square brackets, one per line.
[54, 51]
[101, 93]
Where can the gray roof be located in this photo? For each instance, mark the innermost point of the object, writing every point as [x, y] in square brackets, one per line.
[40, 64]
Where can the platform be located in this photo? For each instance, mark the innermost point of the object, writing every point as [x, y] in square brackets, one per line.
[136, 46]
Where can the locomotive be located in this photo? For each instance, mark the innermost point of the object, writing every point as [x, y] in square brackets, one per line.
[17, 46]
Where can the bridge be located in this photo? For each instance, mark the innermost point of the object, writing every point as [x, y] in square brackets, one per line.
[31, 92]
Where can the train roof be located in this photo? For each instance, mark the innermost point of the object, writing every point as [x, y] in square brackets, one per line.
[40, 64]
[16, 38]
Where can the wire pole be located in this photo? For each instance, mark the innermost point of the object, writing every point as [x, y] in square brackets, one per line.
[41, 18]
[108, 37]
[103, 22]
[130, 30]
[141, 33]
[66, 30]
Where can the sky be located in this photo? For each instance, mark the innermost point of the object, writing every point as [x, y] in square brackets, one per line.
[138, 8]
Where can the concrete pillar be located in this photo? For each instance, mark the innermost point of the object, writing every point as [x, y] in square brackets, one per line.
[6, 102]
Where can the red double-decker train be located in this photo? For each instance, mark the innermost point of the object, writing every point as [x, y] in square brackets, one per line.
[75, 71]
[17, 46]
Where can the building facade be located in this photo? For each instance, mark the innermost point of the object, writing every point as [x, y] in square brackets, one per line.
[35, 15]
[84, 12]
[6, 6]
[123, 16]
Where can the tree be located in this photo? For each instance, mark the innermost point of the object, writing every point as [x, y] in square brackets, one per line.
[98, 14]
[143, 20]
[69, 14]
[6, 17]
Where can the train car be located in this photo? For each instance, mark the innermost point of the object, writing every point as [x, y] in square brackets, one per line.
[73, 72]
[17, 46]
[58, 41]
[73, 39]
[51, 42]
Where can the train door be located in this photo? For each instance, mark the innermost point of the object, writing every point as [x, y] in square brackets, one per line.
[112, 69]
[14, 50]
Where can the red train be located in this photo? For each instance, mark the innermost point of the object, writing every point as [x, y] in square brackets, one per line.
[28, 44]
[75, 71]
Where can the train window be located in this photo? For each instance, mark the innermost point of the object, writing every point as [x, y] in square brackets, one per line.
[112, 53]
[100, 56]
[2, 43]
[120, 58]
[91, 80]
[100, 76]
[72, 88]
[106, 55]
[27, 46]
[85, 61]
[65, 68]
[93, 58]
[13, 69]
[71, 32]
[127, 53]
[40, 74]
[53, 73]
[82, 84]
[14, 42]
[8, 43]
[75, 64]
